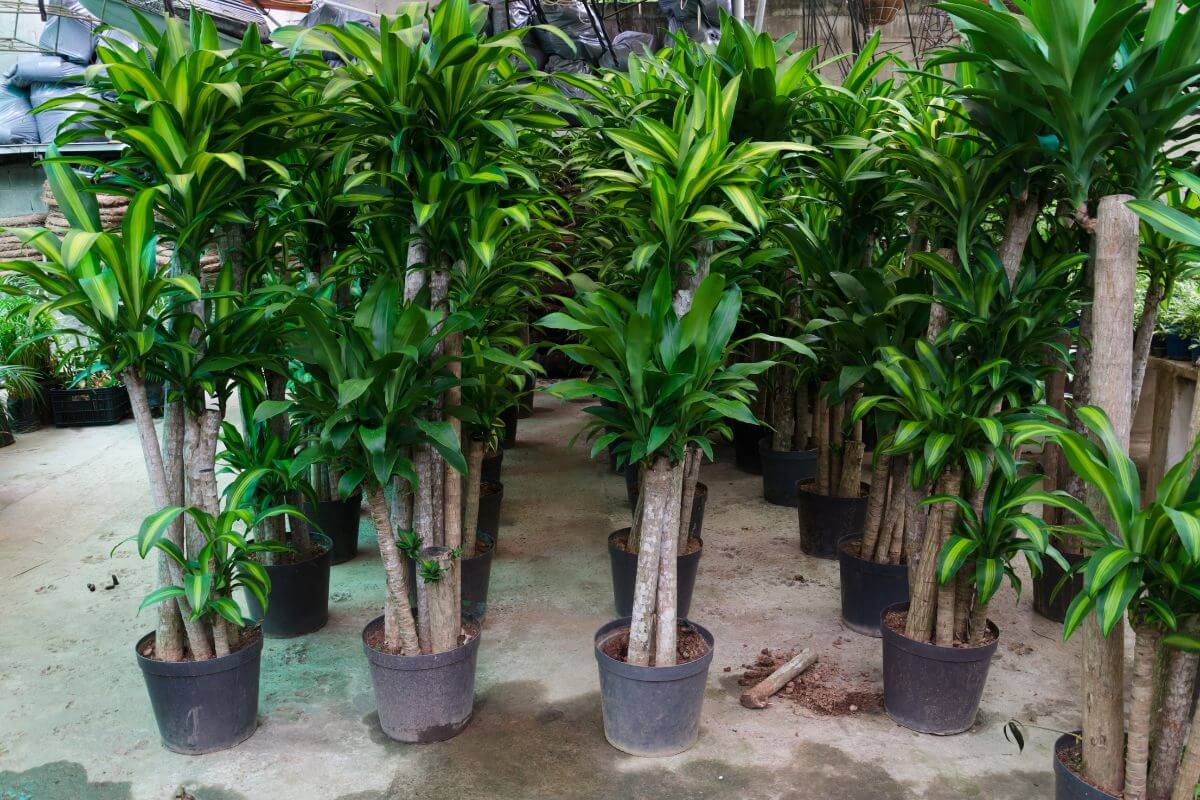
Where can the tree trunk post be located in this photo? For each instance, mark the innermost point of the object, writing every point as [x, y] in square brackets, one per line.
[445, 616]
[925, 608]
[470, 513]
[666, 626]
[1114, 269]
[656, 487]
[399, 632]
[1022, 215]
[1188, 776]
[1172, 721]
[687, 498]
[1141, 701]
[1142, 339]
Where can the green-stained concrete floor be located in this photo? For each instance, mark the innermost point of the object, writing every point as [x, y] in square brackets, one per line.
[75, 723]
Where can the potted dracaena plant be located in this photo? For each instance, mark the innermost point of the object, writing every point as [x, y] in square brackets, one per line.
[1142, 563]
[1114, 83]
[192, 160]
[953, 401]
[299, 572]
[369, 380]
[812, 443]
[683, 192]
[668, 388]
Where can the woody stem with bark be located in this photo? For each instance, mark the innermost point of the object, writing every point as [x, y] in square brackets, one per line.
[399, 632]
[168, 636]
[1141, 700]
[691, 476]
[1022, 215]
[1178, 684]
[1114, 267]
[1142, 338]
[873, 522]
[666, 628]
[470, 512]
[924, 608]
[656, 488]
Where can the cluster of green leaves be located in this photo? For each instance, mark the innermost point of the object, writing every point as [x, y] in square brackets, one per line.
[664, 381]
[995, 535]
[369, 384]
[255, 446]
[955, 398]
[496, 371]
[1144, 552]
[226, 560]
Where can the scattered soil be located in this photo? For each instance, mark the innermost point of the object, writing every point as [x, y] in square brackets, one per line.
[823, 688]
[689, 646]
[622, 544]
[374, 636]
[896, 620]
[1071, 757]
[286, 559]
[247, 636]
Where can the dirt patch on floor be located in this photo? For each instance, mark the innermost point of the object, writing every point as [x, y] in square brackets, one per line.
[824, 688]
[689, 644]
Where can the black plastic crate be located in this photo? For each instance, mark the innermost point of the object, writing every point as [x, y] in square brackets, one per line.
[75, 408]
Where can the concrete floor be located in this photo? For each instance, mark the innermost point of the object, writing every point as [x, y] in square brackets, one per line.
[75, 723]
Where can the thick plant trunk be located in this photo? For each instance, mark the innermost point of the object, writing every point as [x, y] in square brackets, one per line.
[978, 623]
[1142, 338]
[964, 605]
[667, 605]
[802, 433]
[688, 281]
[821, 420]
[1141, 701]
[1022, 215]
[1172, 721]
[783, 415]
[836, 444]
[168, 633]
[399, 632]
[876, 497]
[924, 606]
[1188, 776]
[470, 514]
[691, 476]
[639, 511]
[1114, 267]
[891, 540]
[850, 482]
[656, 486]
[445, 616]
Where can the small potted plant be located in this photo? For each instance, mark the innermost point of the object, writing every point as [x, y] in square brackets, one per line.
[368, 392]
[668, 388]
[91, 395]
[220, 559]
[299, 574]
[25, 343]
[1142, 563]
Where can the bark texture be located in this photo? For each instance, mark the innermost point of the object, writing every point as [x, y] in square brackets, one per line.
[445, 618]
[1114, 267]
[1142, 338]
[1022, 215]
[1188, 777]
[666, 629]
[656, 486]
[1141, 701]
[924, 607]
[470, 523]
[1172, 721]
[399, 632]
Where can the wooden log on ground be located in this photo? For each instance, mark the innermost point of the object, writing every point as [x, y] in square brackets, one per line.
[757, 696]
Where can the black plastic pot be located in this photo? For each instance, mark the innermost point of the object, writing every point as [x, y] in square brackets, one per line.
[1068, 785]
[651, 711]
[24, 415]
[1176, 347]
[156, 397]
[423, 698]
[203, 706]
[746, 454]
[929, 688]
[1045, 602]
[867, 587]
[825, 521]
[624, 574]
[782, 470]
[476, 574]
[491, 495]
[490, 471]
[338, 519]
[299, 601]
[525, 406]
[509, 418]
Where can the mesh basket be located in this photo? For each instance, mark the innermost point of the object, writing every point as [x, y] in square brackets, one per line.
[76, 408]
